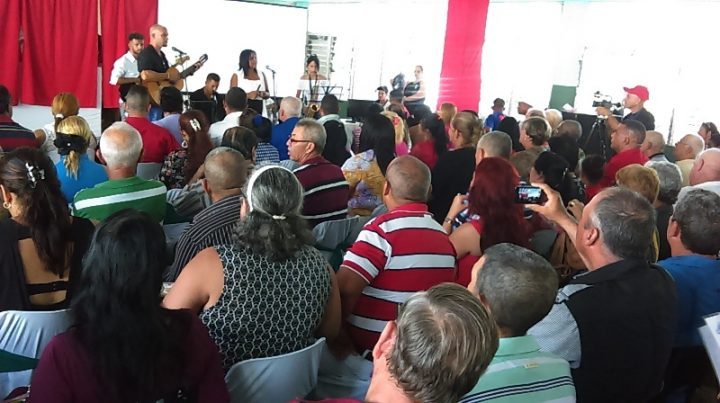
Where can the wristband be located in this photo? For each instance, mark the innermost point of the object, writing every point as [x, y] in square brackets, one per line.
[448, 220]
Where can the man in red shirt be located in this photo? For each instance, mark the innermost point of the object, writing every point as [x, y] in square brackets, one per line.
[395, 255]
[157, 141]
[625, 141]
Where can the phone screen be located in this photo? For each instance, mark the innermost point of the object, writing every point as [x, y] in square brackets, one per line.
[529, 194]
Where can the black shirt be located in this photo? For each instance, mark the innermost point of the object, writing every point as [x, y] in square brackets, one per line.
[149, 59]
[642, 116]
[209, 106]
[452, 175]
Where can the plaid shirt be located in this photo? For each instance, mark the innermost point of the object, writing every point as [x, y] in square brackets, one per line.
[267, 153]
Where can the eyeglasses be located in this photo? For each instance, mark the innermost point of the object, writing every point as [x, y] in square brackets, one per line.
[292, 140]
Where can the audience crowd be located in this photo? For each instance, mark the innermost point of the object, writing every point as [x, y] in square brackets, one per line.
[186, 247]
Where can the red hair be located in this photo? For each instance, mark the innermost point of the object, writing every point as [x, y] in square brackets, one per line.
[198, 144]
[492, 197]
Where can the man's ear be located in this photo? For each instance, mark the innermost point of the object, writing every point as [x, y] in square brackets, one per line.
[385, 343]
[673, 230]
[592, 236]
[386, 188]
[205, 186]
[99, 156]
[140, 157]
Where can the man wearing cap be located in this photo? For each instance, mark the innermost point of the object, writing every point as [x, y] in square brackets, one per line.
[635, 101]
[492, 122]
[383, 100]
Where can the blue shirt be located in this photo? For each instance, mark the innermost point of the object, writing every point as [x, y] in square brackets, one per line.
[493, 121]
[281, 134]
[89, 174]
[172, 124]
[697, 279]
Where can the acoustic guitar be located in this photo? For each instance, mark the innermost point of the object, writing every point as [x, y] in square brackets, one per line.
[154, 87]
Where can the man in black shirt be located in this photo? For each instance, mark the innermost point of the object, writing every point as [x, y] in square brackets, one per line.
[206, 99]
[635, 101]
[153, 64]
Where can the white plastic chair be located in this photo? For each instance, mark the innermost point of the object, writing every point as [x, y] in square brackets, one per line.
[27, 333]
[275, 379]
[149, 170]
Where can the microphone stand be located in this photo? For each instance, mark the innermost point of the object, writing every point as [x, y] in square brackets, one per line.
[276, 106]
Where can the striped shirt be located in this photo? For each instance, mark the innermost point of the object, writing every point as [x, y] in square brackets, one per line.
[266, 152]
[519, 372]
[326, 191]
[13, 136]
[397, 253]
[99, 202]
[212, 226]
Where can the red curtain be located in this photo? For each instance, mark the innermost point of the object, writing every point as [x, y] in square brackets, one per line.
[464, 38]
[120, 18]
[10, 20]
[60, 50]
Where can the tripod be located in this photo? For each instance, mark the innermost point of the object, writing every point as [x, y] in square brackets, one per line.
[598, 141]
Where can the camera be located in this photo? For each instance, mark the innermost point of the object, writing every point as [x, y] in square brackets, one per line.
[605, 101]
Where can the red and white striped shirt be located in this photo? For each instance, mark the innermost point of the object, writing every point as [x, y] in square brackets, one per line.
[398, 253]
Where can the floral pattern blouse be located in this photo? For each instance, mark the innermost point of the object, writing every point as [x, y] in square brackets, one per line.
[366, 182]
[172, 173]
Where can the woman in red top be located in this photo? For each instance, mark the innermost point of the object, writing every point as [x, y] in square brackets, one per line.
[498, 218]
[432, 140]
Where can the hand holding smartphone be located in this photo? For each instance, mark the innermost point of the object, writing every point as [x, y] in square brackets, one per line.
[527, 194]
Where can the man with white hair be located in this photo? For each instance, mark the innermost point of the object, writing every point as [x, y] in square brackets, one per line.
[121, 148]
[686, 150]
[493, 144]
[290, 110]
[653, 147]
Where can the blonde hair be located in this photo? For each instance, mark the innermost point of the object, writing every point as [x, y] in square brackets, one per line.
[74, 126]
[640, 179]
[469, 126]
[402, 135]
[447, 112]
[64, 105]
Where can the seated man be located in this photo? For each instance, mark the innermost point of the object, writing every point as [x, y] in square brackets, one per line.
[121, 148]
[225, 173]
[686, 151]
[705, 172]
[289, 115]
[235, 103]
[694, 238]
[615, 324]
[518, 287]
[396, 254]
[12, 135]
[171, 102]
[654, 145]
[206, 99]
[157, 142]
[326, 190]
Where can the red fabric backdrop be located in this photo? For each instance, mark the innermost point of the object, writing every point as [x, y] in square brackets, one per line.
[120, 18]
[60, 50]
[462, 56]
[10, 21]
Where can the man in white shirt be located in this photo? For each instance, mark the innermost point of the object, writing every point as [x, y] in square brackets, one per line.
[125, 70]
[235, 102]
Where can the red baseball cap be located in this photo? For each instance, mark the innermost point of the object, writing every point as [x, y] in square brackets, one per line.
[640, 90]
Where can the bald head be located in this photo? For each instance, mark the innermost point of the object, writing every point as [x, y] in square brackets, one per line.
[158, 36]
[689, 147]
[654, 143]
[706, 167]
[408, 179]
[225, 171]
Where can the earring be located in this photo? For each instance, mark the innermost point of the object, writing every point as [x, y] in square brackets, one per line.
[184, 144]
[7, 205]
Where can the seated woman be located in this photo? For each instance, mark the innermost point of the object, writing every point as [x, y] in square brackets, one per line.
[496, 216]
[432, 141]
[402, 135]
[270, 292]
[553, 170]
[181, 166]
[365, 171]
[455, 168]
[64, 105]
[266, 152]
[123, 346]
[41, 245]
[75, 170]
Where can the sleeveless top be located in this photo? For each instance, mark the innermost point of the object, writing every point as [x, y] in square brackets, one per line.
[14, 292]
[466, 263]
[267, 308]
[252, 85]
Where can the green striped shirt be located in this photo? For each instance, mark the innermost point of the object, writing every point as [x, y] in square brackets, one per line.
[108, 197]
[519, 372]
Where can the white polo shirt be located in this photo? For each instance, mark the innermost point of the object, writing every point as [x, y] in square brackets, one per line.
[126, 66]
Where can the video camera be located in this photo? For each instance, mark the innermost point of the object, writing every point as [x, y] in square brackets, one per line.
[605, 101]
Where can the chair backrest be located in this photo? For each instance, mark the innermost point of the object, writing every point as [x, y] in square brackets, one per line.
[26, 333]
[149, 170]
[276, 379]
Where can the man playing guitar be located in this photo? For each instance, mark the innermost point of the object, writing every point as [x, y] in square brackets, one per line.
[153, 64]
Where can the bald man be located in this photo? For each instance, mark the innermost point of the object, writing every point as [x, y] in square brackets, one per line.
[396, 254]
[225, 174]
[705, 172]
[653, 147]
[153, 65]
[686, 151]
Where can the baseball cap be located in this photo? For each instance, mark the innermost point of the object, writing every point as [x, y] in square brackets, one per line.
[639, 90]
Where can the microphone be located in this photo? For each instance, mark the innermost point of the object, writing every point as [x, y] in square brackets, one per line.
[178, 50]
[270, 69]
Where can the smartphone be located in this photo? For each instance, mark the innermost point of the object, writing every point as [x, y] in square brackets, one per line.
[527, 194]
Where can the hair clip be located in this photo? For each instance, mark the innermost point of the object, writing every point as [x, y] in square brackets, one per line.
[257, 120]
[59, 116]
[195, 124]
[31, 174]
[279, 217]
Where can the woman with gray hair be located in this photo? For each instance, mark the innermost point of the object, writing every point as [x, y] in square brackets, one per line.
[269, 292]
[670, 178]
